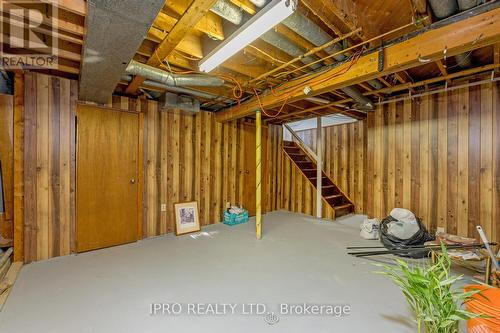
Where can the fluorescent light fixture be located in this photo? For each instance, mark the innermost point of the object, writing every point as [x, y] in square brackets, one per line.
[269, 16]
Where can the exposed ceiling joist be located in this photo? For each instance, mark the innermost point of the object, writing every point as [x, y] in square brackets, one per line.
[193, 14]
[74, 6]
[456, 37]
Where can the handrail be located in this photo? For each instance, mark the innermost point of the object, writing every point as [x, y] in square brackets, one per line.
[302, 143]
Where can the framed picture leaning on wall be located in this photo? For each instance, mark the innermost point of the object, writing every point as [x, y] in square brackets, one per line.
[186, 217]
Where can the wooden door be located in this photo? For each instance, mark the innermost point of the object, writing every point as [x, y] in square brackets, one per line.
[107, 172]
[249, 168]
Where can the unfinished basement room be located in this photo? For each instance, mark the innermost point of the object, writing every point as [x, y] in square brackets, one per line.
[287, 166]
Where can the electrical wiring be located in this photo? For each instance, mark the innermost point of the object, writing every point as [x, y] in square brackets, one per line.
[290, 90]
[262, 107]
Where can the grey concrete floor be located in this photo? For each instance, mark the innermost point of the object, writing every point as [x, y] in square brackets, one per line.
[299, 260]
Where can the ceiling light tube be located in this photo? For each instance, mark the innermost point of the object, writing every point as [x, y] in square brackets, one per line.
[269, 16]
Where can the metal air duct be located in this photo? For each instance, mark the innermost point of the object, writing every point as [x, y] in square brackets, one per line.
[155, 74]
[229, 11]
[276, 40]
[313, 33]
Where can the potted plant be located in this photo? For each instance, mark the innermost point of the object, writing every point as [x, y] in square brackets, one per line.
[429, 291]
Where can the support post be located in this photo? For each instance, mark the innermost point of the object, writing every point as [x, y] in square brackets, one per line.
[319, 171]
[258, 175]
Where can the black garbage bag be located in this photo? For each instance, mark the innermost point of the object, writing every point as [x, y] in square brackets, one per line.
[392, 242]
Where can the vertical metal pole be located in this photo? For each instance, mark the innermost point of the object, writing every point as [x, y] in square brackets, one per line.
[258, 175]
[319, 170]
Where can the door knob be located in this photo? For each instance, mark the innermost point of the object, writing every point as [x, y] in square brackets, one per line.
[132, 181]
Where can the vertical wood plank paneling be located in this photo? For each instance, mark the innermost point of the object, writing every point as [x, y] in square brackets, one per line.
[7, 159]
[415, 155]
[433, 163]
[442, 159]
[452, 167]
[407, 154]
[65, 167]
[42, 168]
[186, 157]
[474, 157]
[18, 167]
[446, 153]
[30, 164]
[462, 214]
[486, 160]
[54, 217]
[495, 234]
[423, 208]
[399, 155]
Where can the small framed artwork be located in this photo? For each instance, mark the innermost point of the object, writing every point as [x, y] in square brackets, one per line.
[186, 217]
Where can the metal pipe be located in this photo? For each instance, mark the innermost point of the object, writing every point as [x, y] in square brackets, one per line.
[258, 174]
[155, 74]
[179, 90]
[229, 11]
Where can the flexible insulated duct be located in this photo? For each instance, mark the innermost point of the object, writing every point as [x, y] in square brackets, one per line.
[445, 8]
[276, 40]
[158, 75]
[229, 11]
[313, 33]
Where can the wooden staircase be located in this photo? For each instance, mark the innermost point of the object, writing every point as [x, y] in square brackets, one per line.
[339, 202]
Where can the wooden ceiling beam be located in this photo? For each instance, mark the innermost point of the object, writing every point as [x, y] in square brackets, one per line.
[61, 23]
[465, 35]
[325, 8]
[246, 5]
[190, 44]
[74, 6]
[312, 6]
[196, 10]
[210, 25]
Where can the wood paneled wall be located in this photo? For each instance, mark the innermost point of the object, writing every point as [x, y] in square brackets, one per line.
[438, 156]
[343, 157]
[7, 160]
[185, 157]
[193, 157]
[298, 194]
[49, 166]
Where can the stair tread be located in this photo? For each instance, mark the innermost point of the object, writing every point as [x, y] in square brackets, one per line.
[333, 196]
[343, 206]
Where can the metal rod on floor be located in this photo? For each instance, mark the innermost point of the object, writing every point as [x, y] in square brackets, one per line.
[319, 170]
[430, 248]
[258, 175]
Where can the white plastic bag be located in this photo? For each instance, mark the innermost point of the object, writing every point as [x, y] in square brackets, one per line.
[406, 225]
[370, 229]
